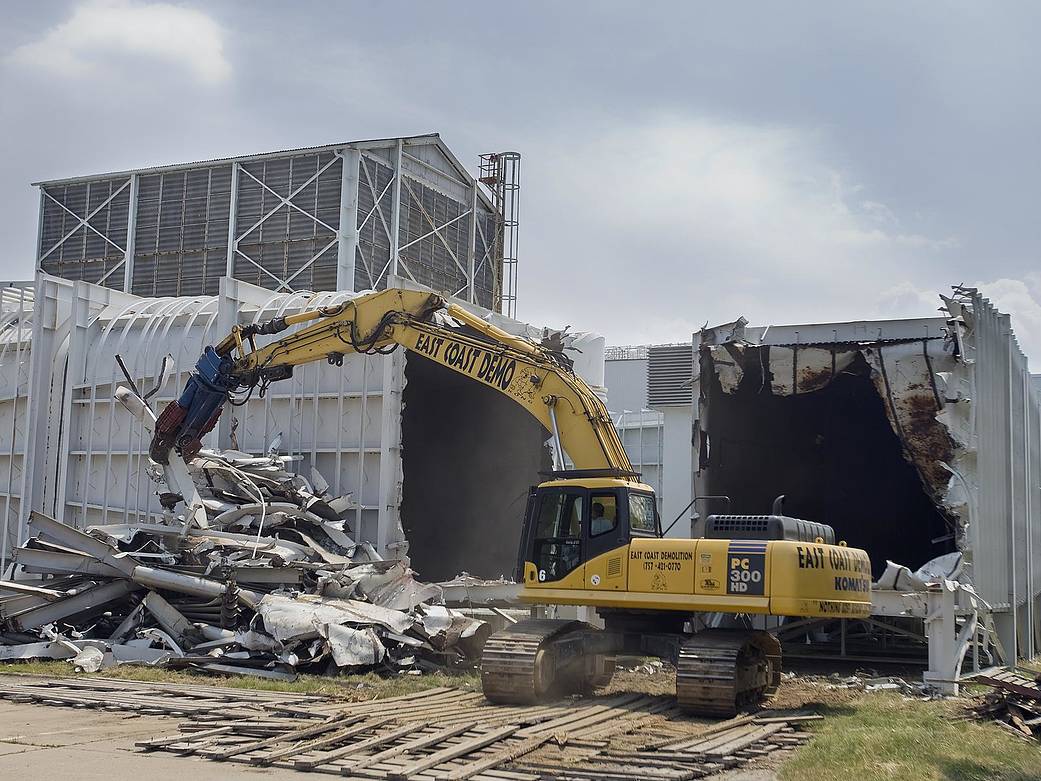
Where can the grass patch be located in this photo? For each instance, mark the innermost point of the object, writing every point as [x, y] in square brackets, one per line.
[347, 687]
[1030, 666]
[885, 737]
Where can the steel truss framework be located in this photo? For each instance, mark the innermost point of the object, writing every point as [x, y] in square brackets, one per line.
[341, 217]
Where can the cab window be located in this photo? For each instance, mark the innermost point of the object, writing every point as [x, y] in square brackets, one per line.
[558, 535]
[603, 514]
[643, 517]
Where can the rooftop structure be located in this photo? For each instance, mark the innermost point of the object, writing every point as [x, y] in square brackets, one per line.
[342, 217]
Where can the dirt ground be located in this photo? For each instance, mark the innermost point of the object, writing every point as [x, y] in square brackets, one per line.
[794, 692]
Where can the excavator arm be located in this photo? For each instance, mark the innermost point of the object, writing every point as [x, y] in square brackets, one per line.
[538, 377]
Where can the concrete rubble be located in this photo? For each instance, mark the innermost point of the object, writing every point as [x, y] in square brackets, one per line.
[257, 574]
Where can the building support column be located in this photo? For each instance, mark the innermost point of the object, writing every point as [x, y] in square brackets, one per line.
[233, 209]
[131, 240]
[347, 237]
[395, 212]
[471, 249]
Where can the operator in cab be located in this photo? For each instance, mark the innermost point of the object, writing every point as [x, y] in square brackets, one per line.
[599, 522]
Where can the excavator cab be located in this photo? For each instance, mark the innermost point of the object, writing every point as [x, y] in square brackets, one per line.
[570, 520]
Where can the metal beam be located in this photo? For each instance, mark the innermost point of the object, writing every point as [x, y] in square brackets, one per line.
[233, 209]
[131, 242]
[471, 247]
[395, 212]
[347, 248]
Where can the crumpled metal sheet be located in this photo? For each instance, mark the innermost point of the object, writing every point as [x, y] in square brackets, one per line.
[294, 618]
[393, 586]
[353, 647]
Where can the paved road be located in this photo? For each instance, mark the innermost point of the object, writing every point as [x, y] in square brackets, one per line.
[67, 744]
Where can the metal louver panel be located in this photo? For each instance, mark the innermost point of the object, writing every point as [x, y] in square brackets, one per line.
[669, 373]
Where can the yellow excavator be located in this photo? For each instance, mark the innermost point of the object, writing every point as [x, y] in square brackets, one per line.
[591, 533]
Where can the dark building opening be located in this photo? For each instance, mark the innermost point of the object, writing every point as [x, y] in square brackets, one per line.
[469, 456]
[832, 452]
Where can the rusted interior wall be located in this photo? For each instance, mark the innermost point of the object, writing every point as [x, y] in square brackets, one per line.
[469, 456]
[832, 452]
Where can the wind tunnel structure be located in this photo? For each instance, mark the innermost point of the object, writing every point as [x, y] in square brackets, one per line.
[434, 464]
[912, 438]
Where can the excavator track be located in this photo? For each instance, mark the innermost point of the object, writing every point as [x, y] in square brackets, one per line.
[721, 671]
[522, 664]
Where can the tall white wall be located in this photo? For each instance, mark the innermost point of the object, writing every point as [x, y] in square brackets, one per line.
[677, 470]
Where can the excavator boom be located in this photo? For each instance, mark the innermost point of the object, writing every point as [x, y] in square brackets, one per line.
[538, 377]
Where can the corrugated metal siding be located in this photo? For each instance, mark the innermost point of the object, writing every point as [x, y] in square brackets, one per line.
[375, 200]
[83, 230]
[181, 240]
[296, 201]
[430, 256]
[1006, 463]
[669, 374]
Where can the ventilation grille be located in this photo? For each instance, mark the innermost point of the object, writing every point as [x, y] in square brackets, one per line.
[614, 568]
[669, 374]
[729, 523]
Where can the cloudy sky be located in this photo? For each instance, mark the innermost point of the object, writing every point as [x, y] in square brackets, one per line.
[683, 162]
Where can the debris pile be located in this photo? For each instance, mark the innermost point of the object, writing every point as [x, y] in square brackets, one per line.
[866, 681]
[259, 576]
[1014, 703]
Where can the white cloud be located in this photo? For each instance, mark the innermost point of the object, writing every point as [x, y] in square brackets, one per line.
[688, 220]
[99, 31]
[1022, 300]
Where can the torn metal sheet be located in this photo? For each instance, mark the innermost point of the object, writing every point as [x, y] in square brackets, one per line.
[727, 362]
[805, 369]
[352, 647]
[288, 618]
[904, 374]
[88, 660]
[49, 649]
[393, 586]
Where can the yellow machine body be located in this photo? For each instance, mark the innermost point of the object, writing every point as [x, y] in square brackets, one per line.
[774, 577]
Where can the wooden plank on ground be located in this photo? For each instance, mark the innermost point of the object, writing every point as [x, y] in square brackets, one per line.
[509, 754]
[452, 752]
[354, 748]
